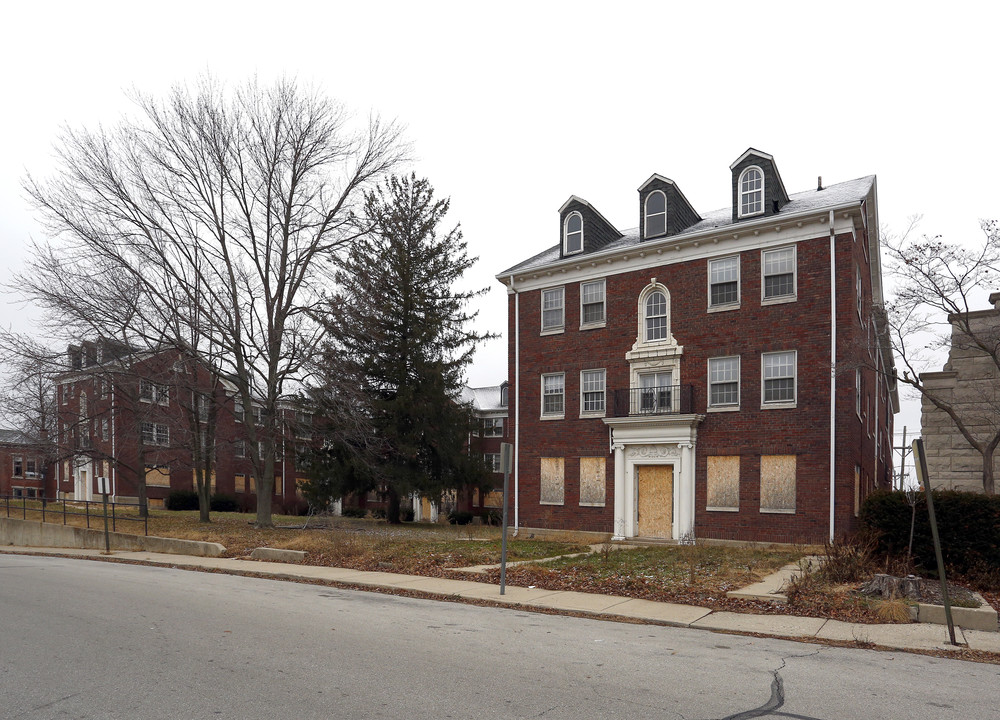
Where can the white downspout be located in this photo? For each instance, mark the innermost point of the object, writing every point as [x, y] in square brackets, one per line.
[833, 377]
[517, 403]
[114, 453]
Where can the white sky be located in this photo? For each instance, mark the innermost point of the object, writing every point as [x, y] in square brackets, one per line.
[512, 107]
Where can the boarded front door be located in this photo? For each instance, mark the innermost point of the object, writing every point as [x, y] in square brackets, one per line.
[655, 504]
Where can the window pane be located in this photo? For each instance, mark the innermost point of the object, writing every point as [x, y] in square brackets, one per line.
[723, 293]
[592, 292]
[656, 224]
[552, 308]
[779, 377]
[725, 270]
[592, 298]
[592, 384]
[656, 203]
[779, 285]
[779, 261]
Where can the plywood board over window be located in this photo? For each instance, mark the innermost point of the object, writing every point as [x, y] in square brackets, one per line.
[592, 481]
[553, 481]
[777, 483]
[158, 476]
[723, 482]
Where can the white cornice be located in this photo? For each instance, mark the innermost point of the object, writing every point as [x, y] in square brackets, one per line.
[748, 235]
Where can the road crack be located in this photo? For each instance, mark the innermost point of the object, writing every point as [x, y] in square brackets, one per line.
[777, 699]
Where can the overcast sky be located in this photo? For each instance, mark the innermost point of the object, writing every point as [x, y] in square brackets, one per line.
[513, 107]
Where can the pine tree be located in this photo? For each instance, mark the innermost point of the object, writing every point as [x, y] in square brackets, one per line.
[406, 333]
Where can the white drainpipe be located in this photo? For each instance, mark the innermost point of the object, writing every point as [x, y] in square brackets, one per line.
[833, 377]
[517, 402]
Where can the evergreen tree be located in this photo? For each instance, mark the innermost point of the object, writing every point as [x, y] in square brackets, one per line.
[405, 332]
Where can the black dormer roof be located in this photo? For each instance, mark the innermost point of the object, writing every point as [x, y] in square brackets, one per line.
[597, 231]
[680, 214]
[775, 196]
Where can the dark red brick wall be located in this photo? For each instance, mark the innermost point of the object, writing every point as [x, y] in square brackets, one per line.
[754, 329]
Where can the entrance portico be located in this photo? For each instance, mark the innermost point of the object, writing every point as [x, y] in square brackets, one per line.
[646, 442]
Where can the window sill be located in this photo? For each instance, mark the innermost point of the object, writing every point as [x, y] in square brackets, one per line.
[551, 502]
[594, 326]
[727, 408]
[724, 308]
[583, 504]
[776, 511]
[553, 417]
[722, 509]
[781, 300]
[779, 406]
[586, 415]
[553, 331]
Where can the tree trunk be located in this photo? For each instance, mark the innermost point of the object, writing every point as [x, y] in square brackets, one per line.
[140, 483]
[890, 587]
[392, 510]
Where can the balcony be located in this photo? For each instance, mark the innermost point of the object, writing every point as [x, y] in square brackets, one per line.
[663, 400]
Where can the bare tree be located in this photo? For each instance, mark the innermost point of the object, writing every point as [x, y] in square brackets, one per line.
[935, 309]
[212, 221]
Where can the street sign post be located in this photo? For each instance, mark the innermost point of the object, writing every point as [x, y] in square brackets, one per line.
[920, 461]
[104, 487]
[506, 462]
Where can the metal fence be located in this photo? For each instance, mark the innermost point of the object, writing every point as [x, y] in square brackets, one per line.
[41, 508]
[660, 400]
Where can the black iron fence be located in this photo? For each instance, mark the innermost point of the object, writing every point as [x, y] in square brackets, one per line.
[41, 508]
[660, 400]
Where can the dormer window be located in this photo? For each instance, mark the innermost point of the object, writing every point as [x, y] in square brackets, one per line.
[751, 192]
[656, 214]
[656, 316]
[573, 234]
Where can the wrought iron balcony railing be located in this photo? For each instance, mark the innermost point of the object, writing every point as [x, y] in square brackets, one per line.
[662, 400]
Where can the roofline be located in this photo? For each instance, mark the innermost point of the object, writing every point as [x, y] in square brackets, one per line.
[741, 228]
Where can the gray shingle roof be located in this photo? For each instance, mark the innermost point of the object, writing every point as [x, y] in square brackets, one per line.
[483, 399]
[17, 437]
[803, 202]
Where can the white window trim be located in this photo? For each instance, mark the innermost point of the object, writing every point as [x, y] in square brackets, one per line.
[596, 324]
[795, 383]
[565, 238]
[541, 309]
[552, 416]
[859, 289]
[739, 385]
[723, 307]
[645, 215]
[740, 193]
[795, 277]
[643, 297]
[593, 413]
[160, 393]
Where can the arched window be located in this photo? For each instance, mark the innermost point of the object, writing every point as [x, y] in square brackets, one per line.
[573, 235]
[751, 192]
[656, 316]
[656, 214]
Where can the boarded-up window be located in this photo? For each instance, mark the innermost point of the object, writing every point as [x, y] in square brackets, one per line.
[553, 489]
[493, 499]
[158, 476]
[279, 485]
[299, 482]
[777, 483]
[723, 483]
[240, 483]
[592, 481]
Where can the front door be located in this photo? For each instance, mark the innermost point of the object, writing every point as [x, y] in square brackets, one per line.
[80, 491]
[655, 501]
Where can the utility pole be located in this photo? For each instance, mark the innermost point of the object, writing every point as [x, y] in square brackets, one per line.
[904, 450]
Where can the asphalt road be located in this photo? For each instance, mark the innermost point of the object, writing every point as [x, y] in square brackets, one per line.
[84, 639]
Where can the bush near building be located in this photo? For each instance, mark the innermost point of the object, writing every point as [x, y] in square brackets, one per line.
[968, 523]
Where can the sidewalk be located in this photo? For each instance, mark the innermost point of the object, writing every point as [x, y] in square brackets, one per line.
[891, 636]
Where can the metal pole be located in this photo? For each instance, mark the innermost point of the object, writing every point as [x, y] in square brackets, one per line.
[902, 461]
[506, 455]
[920, 462]
[107, 537]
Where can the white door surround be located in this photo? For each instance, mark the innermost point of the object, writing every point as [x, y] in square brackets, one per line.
[657, 440]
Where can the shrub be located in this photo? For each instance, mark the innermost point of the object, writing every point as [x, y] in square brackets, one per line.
[181, 500]
[248, 503]
[968, 524]
[492, 516]
[459, 517]
[298, 506]
[224, 503]
[378, 513]
[353, 512]
[406, 514]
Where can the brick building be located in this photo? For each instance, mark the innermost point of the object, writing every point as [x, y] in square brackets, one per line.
[676, 380]
[24, 464]
[970, 382]
[122, 413]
